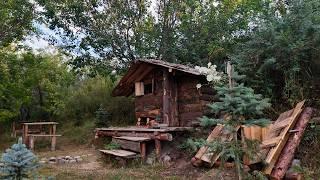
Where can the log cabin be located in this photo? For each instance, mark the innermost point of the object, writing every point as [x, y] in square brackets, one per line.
[166, 94]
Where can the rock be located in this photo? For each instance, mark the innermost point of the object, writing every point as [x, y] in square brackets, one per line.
[61, 161]
[166, 158]
[79, 159]
[68, 158]
[72, 161]
[52, 162]
[42, 162]
[53, 159]
[150, 160]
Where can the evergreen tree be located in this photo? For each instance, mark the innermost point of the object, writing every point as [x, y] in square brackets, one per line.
[18, 162]
[238, 106]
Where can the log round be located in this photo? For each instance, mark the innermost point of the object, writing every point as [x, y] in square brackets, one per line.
[287, 154]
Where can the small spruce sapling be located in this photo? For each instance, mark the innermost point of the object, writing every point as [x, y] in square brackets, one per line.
[18, 162]
[238, 106]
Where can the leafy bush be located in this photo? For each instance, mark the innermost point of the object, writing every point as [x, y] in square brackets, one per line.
[86, 97]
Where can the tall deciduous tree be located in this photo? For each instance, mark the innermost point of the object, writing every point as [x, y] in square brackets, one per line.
[179, 31]
[15, 20]
[31, 80]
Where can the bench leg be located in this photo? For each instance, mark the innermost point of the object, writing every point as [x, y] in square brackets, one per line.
[53, 143]
[143, 151]
[53, 139]
[31, 142]
[158, 148]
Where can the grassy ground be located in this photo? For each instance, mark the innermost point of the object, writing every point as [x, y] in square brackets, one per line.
[78, 141]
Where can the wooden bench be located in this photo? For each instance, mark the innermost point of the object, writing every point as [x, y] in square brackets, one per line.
[120, 153]
[32, 138]
[126, 143]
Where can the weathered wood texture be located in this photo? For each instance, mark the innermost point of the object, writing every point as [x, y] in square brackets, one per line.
[287, 154]
[283, 133]
[128, 145]
[189, 103]
[120, 153]
[150, 105]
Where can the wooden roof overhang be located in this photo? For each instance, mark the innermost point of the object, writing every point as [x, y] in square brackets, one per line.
[142, 67]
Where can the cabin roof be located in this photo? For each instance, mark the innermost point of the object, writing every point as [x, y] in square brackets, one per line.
[142, 67]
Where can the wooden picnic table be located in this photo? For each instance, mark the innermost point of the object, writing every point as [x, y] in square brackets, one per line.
[29, 139]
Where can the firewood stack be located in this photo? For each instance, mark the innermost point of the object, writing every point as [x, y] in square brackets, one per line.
[279, 142]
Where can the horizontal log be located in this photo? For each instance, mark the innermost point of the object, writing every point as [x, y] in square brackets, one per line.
[151, 135]
[287, 153]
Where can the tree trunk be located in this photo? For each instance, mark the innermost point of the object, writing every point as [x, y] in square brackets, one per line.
[293, 142]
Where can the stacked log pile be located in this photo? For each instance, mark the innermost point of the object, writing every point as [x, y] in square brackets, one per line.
[279, 142]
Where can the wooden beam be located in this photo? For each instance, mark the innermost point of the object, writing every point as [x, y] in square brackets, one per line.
[288, 152]
[274, 153]
[166, 97]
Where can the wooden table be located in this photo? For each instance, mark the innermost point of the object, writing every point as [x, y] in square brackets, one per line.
[29, 139]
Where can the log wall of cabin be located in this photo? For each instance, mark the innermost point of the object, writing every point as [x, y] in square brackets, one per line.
[150, 105]
[192, 102]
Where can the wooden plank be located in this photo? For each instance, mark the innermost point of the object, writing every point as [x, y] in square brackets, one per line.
[131, 138]
[270, 142]
[120, 153]
[128, 145]
[214, 134]
[45, 135]
[41, 123]
[279, 125]
[274, 153]
[141, 129]
[288, 152]
[256, 133]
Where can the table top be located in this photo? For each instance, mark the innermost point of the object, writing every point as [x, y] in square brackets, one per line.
[40, 123]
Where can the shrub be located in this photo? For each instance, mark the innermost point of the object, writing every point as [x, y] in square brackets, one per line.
[18, 162]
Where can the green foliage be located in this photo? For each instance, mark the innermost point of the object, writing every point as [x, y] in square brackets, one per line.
[15, 20]
[112, 146]
[18, 162]
[184, 31]
[33, 81]
[81, 134]
[281, 57]
[102, 117]
[238, 106]
[87, 95]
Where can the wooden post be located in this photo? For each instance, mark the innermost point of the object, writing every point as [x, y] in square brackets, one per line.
[166, 97]
[158, 148]
[13, 133]
[31, 142]
[143, 151]
[25, 134]
[174, 118]
[54, 138]
[157, 144]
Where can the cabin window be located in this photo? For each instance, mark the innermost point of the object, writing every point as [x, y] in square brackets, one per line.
[148, 88]
[139, 89]
[143, 88]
